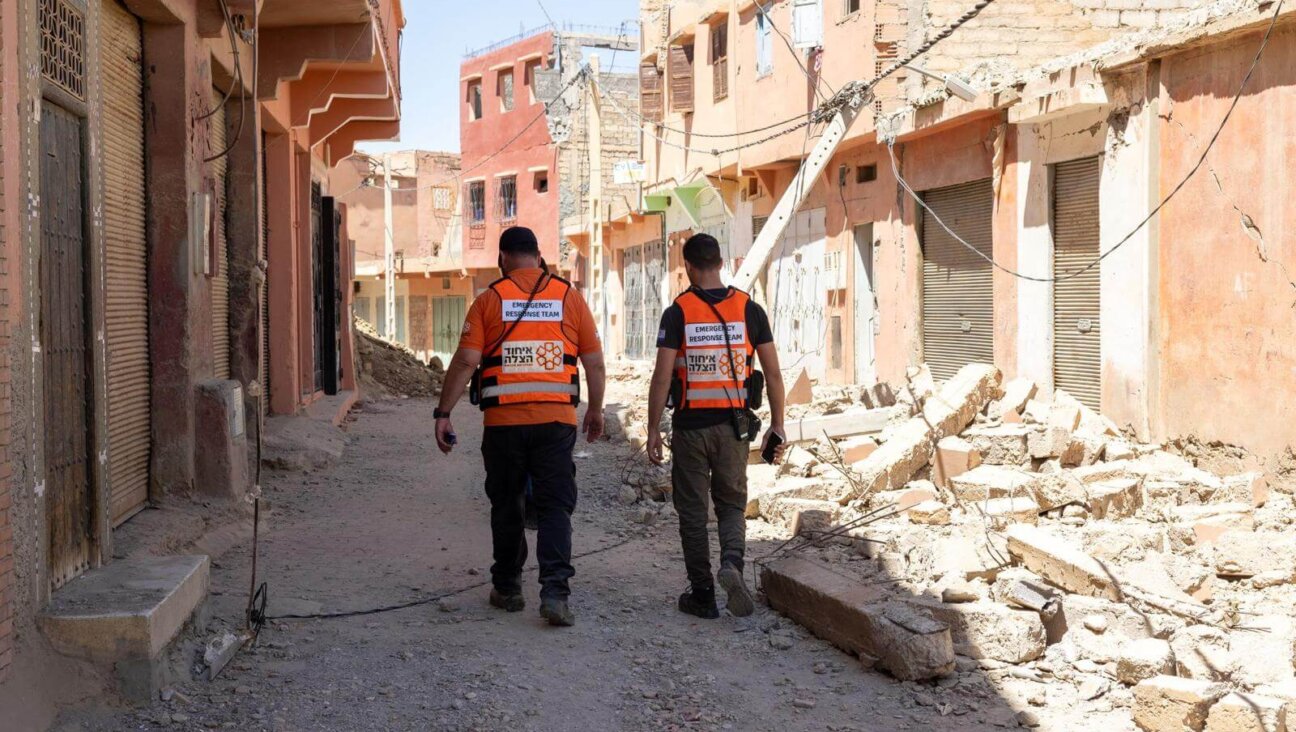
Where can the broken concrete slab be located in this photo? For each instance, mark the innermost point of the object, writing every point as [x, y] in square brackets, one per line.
[1245, 712]
[1266, 647]
[800, 513]
[991, 481]
[1002, 512]
[909, 645]
[1206, 524]
[1245, 554]
[1170, 703]
[1015, 395]
[954, 456]
[844, 424]
[988, 630]
[760, 493]
[1061, 563]
[1055, 490]
[851, 615]
[799, 390]
[960, 399]
[906, 451]
[1000, 445]
[1115, 499]
[1202, 652]
[1051, 442]
[855, 449]
[1144, 659]
[1099, 472]
[1118, 450]
[1252, 488]
[930, 513]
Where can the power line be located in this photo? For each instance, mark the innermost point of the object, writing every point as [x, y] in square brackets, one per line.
[1201, 160]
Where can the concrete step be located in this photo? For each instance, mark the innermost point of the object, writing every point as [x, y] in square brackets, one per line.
[126, 614]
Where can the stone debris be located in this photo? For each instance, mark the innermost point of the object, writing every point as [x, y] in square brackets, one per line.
[998, 530]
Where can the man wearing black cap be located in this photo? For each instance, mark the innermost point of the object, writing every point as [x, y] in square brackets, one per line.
[521, 343]
[706, 347]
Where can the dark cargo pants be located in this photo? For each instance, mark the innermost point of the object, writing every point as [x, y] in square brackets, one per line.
[709, 460]
[543, 452]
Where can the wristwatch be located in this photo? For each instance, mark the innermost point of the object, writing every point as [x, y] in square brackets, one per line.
[437, 413]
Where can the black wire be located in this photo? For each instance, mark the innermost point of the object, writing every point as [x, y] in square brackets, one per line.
[238, 75]
[411, 603]
[1255, 63]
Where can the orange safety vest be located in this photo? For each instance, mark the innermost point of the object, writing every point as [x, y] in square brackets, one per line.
[534, 361]
[711, 379]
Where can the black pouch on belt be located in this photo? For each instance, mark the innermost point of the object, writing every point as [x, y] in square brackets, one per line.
[746, 425]
[474, 387]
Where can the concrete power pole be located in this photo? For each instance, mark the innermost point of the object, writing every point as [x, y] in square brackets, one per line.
[389, 252]
[594, 130]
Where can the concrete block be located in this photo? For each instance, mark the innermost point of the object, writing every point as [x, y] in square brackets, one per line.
[961, 398]
[1208, 523]
[1166, 703]
[1035, 412]
[991, 481]
[1001, 445]
[799, 390]
[221, 452]
[1099, 472]
[1246, 554]
[1252, 488]
[1266, 648]
[1015, 395]
[1003, 512]
[1059, 489]
[1052, 442]
[988, 630]
[1061, 563]
[954, 456]
[929, 513]
[847, 613]
[855, 449]
[1143, 659]
[907, 644]
[1118, 450]
[1115, 499]
[964, 553]
[1202, 652]
[1243, 712]
[762, 492]
[917, 492]
[906, 451]
[1063, 415]
[797, 514]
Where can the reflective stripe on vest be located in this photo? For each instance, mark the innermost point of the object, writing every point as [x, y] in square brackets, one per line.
[529, 386]
[715, 358]
[537, 360]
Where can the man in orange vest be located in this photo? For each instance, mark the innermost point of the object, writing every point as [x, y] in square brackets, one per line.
[527, 333]
[708, 341]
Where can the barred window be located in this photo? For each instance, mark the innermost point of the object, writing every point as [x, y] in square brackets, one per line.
[477, 201]
[441, 198]
[506, 198]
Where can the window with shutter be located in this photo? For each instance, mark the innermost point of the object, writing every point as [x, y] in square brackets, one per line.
[720, 61]
[681, 78]
[650, 92]
[807, 23]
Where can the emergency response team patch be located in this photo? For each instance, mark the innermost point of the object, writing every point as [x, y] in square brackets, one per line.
[710, 335]
[541, 311]
[713, 365]
[532, 357]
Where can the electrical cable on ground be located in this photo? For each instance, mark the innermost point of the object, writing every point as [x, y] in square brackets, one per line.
[263, 593]
[1201, 160]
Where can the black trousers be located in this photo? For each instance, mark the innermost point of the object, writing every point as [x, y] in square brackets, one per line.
[543, 452]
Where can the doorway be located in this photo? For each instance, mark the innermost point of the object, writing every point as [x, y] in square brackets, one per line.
[865, 307]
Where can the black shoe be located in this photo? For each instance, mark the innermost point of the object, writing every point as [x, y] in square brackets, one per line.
[555, 610]
[700, 603]
[740, 601]
[512, 602]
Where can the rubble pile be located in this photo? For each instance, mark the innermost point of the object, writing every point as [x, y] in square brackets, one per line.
[989, 539]
[388, 369]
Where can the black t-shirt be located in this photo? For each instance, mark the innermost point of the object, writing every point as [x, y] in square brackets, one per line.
[671, 335]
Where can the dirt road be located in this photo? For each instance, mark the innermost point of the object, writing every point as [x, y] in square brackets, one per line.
[395, 521]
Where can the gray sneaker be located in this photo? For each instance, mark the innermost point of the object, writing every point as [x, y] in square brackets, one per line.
[740, 604]
[556, 612]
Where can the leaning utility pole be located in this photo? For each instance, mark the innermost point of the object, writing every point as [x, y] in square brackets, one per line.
[796, 192]
[594, 131]
[389, 252]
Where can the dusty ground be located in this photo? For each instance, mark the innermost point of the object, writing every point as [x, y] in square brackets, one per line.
[395, 521]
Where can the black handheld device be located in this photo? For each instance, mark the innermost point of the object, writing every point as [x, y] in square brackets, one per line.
[771, 445]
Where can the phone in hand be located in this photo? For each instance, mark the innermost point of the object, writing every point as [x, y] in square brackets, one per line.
[772, 442]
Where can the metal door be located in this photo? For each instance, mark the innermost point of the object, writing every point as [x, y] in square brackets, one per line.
[1077, 337]
[220, 330]
[329, 287]
[447, 323]
[126, 261]
[69, 501]
[318, 282]
[865, 306]
[798, 285]
[958, 292]
[632, 303]
[654, 277]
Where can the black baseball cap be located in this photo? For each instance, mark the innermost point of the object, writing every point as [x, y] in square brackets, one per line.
[519, 240]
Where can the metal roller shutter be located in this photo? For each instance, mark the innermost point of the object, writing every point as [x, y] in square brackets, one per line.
[220, 268]
[1077, 338]
[958, 288]
[126, 260]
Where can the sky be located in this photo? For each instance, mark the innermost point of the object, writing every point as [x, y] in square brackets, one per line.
[437, 34]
